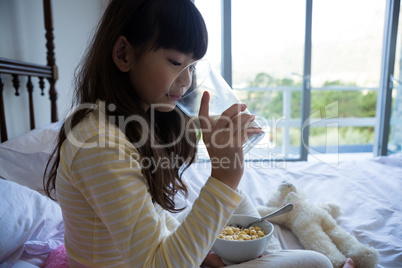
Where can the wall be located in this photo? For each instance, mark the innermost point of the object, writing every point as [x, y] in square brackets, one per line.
[23, 38]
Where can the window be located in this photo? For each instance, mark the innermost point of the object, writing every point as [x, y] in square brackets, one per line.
[345, 74]
[395, 129]
[211, 11]
[267, 56]
[311, 72]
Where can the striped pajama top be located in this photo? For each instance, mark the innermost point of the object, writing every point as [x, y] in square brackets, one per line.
[110, 219]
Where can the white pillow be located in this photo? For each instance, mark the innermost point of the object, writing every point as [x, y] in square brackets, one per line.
[29, 222]
[24, 159]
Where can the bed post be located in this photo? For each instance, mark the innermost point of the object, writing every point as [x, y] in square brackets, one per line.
[31, 105]
[51, 60]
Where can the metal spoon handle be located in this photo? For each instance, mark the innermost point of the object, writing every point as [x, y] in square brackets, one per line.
[285, 209]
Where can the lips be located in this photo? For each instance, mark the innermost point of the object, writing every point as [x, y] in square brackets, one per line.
[175, 97]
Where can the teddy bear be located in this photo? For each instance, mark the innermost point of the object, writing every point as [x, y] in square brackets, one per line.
[316, 228]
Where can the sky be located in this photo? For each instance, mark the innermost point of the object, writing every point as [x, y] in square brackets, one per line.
[268, 36]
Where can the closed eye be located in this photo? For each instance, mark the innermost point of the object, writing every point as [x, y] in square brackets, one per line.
[175, 63]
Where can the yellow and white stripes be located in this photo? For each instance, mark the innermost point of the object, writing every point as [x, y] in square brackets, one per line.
[109, 216]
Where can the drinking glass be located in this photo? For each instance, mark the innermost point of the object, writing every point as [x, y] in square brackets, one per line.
[188, 87]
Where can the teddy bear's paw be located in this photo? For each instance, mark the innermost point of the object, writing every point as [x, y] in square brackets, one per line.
[333, 209]
[365, 257]
[338, 263]
[265, 210]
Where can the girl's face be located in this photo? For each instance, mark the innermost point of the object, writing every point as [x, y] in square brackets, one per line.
[152, 74]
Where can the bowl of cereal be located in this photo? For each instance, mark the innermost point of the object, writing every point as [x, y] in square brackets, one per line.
[235, 245]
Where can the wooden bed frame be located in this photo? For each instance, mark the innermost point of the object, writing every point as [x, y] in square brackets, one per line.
[18, 68]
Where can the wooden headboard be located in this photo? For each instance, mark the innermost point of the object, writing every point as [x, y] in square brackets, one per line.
[30, 70]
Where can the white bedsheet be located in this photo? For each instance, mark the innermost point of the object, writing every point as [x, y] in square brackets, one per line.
[369, 193]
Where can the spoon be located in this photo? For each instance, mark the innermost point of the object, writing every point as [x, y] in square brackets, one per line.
[285, 209]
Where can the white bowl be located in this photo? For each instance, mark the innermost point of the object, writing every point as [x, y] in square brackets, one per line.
[233, 251]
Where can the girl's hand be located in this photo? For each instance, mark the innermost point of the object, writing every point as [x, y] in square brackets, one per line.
[212, 260]
[224, 140]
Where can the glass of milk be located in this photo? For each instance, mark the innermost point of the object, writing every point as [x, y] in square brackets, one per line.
[188, 87]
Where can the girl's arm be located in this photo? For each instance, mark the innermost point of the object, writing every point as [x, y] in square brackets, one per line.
[112, 183]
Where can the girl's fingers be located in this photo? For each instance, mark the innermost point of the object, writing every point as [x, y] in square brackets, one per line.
[236, 125]
[240, 122]
[243, 128]
[245, 134]
[230, 113]
[203, 114]
[250, 131]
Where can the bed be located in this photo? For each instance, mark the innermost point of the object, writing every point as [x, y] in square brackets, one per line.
[31, 224]
[369, 191]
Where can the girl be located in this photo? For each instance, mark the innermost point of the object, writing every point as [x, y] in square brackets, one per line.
[121, 153]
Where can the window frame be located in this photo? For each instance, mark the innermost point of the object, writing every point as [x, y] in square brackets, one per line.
[384, 99]
[384, 95]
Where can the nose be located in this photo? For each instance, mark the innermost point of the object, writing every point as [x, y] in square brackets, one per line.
[184, 80]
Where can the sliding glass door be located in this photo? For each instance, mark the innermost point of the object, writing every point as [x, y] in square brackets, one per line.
[267, 61]
[391, 110]
[312, 72]
[345, 76]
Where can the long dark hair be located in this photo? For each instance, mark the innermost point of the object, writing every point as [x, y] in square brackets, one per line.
[147, 25]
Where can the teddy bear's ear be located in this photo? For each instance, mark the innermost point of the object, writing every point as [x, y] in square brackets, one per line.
[292, 188]
[286, 187]
[285, 184]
